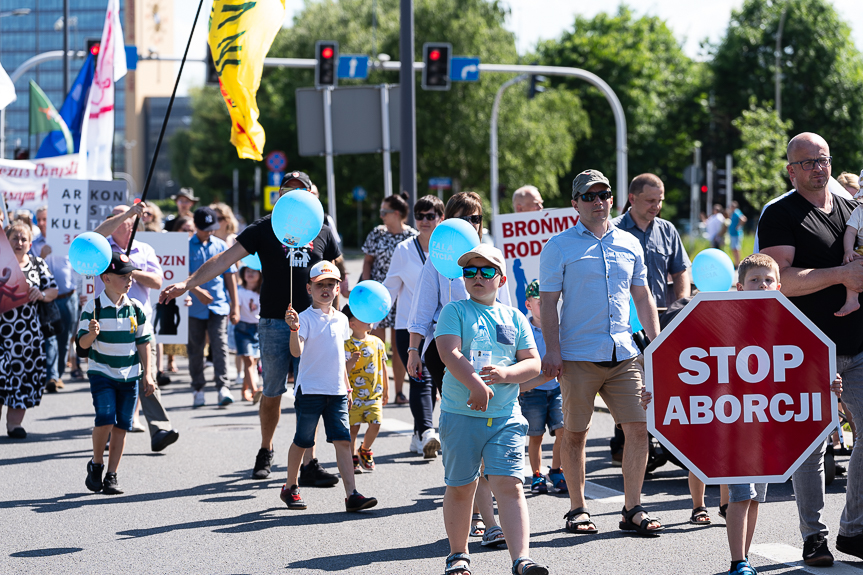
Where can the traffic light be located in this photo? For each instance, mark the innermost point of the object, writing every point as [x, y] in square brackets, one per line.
[212, 74]
[721, 179]
[93, 45]
[326, 63]
[703, 189]
[436, 60]
[535, 87]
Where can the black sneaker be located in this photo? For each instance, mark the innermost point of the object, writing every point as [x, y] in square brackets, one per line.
[94, 476]
[816, 553]
[291, 497]
[263, 462]
[357, 502]
[313, 475]
[110, 486]
[850, 545]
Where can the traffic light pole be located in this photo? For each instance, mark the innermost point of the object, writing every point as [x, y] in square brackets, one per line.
[328, 150]
[385, 135]
[407, 159]
[694, 200]
[495, 108]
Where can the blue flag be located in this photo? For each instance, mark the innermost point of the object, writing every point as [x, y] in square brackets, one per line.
[72, 113]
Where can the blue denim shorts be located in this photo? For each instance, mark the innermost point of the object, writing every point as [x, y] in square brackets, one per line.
[542, 408]
[246, 338]
[746, 491]
[114, 401]
[310, 408]
[467, 442]
[276, 358]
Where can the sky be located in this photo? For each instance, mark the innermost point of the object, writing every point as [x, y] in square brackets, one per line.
[536, 20]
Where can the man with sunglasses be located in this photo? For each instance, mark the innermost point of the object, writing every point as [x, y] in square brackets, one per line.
[803, 232]
[277, 267]
[589, 347]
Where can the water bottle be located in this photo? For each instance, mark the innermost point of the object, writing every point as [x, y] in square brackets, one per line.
[480, 348]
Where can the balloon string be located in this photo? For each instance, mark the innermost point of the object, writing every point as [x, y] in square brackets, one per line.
[291, 272]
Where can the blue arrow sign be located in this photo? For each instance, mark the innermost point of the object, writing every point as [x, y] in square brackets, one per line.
[353, 66]
[442, 183]
[275, 178]
[462, 69]
[359, 193]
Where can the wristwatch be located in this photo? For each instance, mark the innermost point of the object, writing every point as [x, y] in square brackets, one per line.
[410, 349]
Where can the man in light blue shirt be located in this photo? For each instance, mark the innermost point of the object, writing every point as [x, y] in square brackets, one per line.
[596, 267]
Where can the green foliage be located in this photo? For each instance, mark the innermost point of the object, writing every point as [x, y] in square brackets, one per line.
[760, 161]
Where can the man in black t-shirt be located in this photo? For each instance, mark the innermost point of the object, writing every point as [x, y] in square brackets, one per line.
[280, 268]
[803, 233]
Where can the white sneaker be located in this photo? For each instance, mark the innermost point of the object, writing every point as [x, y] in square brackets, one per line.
[430, 443]
[225, 397]
[239, 379]
[416, 444]
[198, 398]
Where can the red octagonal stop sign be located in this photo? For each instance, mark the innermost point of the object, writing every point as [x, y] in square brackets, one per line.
[741, 387]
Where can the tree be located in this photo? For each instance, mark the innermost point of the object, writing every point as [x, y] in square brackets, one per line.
[822, 74]
[759, 170]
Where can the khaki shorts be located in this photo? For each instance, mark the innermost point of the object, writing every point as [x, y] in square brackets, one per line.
[620, 388]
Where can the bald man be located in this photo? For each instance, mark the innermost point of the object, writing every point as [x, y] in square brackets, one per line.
[803, 232]
[526, 199]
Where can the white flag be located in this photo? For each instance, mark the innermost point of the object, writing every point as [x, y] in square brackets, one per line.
[7, 89]
[98, 128]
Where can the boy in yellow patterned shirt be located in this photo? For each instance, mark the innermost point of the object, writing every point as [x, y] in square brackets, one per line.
[366, 362]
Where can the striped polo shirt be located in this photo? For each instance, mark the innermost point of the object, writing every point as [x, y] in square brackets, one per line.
[122, 328]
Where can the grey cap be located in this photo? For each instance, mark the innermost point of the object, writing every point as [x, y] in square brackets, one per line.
[585, 179]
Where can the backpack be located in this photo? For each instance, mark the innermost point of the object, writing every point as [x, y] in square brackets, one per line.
[80, 351]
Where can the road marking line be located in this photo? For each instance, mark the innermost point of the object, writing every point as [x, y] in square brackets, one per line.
[397, 425]
[791, 556]
[607, 494]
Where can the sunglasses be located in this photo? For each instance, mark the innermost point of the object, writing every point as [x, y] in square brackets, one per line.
[429, 217]
[487, 272]
[384, 212]
[475, 219]
[590, 196]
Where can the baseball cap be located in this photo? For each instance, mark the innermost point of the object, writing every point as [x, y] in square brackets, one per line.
[120, 264]
[187, 193]
[488, 252]
[532, 289]
[301, 176]
[585, 179]
[324, 270]
[206, 219]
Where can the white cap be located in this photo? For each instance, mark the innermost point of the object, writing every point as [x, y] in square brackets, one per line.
[324, 270]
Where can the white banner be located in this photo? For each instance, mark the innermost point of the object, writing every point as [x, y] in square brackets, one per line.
[24, 183]
[78, 206]
[7, 89]
[170, 320]
[521, 238]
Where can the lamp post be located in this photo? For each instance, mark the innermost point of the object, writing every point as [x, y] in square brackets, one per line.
[15, 12]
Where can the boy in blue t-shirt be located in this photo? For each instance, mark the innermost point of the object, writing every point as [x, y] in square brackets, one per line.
[484, 344]
[542, 406]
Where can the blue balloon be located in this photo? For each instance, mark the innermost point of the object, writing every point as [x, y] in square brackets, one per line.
[712, 270]
[449, 241]
[370, 301]
[90, 254]
[634, 322]
[297, 218]
[252, 261]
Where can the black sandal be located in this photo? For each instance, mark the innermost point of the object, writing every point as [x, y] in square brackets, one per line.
[700, 512]
[723, 510]
[530, 567]
[629, 525]
[572, 526]
[458, 569]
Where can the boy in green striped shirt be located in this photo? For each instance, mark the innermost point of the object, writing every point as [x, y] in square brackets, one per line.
[118, 341]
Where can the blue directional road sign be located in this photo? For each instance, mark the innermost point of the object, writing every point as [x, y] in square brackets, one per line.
[275, 178]
[440, 183]
[462, 69]
[353, 66]
[359, 193]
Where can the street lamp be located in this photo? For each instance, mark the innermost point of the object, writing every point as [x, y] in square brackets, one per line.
[15, 12]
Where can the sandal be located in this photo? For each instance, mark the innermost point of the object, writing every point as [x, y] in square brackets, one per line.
[723, 509]
[477, 529]
[401, 399]
[572, 526]
[628, 525]
[700, 516]
[530, 567]
[493, 537]
[459, 569]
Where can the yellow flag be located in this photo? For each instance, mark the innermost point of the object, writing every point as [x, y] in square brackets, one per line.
[241, 33]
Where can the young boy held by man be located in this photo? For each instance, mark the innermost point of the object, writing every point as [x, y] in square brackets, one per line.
[366, 357]
[488, 350]
[318, 336]
[117, 335]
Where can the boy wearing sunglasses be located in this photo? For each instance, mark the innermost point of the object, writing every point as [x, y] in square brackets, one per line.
[485, 344]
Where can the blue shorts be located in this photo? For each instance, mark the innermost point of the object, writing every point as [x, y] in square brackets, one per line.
[310, 408]
[542, 408]
[246, 337]
[467, 442]
[735, 241]
[276, 359]
[115, 401]
[747, 491]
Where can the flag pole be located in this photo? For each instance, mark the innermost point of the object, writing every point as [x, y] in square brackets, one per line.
[164, 125]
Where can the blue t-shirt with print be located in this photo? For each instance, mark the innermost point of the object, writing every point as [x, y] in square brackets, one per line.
[508, 332]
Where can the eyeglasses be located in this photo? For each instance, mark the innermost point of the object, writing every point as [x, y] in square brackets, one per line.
[384, 212]
[487, 272]
[147, 215]
[603, 195]
[475, 219]
[287, 189]
[430, 217]
[222, 218]
[808, 165]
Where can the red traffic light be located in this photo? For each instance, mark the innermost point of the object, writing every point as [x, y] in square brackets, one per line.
[434, 55]
[94, 49]
[703, 189]
[327, 53]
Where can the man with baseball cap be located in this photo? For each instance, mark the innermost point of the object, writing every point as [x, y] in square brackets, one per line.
[280, 268]
[185, 200]
[596, 267]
